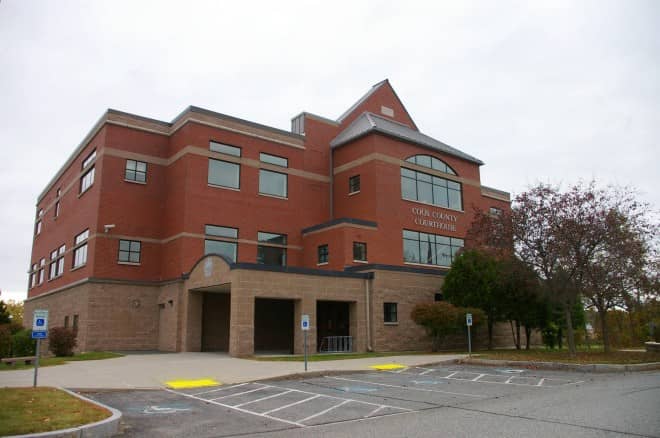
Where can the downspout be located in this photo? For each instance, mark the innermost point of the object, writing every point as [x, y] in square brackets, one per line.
[332, 186]
[367, 299]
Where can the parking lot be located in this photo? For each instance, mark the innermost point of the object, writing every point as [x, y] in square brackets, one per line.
[335, 403]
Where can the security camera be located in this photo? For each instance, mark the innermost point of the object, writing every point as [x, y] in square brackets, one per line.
[108, 227]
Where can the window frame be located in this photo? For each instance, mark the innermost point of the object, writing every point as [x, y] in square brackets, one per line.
[274, 160]
[390, 313]
[229, 238]
[357, 245]
[437, 186]
[128, 261]
[224, 162]
[80, 249]
[87, 181]
[135, 171]
[286, 184]
[352, 186]
[323, 253]
[433, 245]
[225, 148]
[89, 160]
[264, 246]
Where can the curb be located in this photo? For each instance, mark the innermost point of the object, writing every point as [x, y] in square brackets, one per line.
[586, 368]
[101, 429]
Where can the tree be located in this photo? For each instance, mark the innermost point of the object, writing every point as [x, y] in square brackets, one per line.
[5, 316]
[472, 281]
[441, 319]
[15, 309]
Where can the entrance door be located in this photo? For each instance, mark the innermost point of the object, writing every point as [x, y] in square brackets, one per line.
[332, 319]
[273, 326]
[215, 321]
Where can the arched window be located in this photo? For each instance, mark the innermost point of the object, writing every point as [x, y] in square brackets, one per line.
[431, 162]
[431, 189]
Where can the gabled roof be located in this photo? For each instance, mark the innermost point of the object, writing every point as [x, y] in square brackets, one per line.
[369, 123]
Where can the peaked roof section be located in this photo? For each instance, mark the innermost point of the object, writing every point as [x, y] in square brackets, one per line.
[383, 90]
[369, 123]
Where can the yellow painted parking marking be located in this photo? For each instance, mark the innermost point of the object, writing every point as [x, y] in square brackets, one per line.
[388, 366]
[185, 384]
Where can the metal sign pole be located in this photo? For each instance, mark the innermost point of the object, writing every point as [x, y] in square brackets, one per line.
[469, 343]
[305, 350]
[36, 362]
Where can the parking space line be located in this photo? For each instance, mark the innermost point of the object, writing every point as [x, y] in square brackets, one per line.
[425, 372]
[375, 410]
[408, 388]
[220, 389]
[293, 404]
[541, 382]
[241, 393]
[264, 398]
[452, 375]
[325, 411]
[245, 411]
[509, 380]
[478, 377]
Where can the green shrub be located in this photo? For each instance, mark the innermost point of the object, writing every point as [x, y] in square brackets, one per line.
[62, 341]
[549, 335]
[5, 340]
[441, 319]
[22, 343]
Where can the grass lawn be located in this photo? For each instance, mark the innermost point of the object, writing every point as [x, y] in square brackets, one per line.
[50, 361]
[594, 355]
[339, 356]
[31, 410]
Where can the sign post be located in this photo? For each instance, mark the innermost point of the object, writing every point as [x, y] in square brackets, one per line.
[304, 325]
[468, 322]
[39, 332]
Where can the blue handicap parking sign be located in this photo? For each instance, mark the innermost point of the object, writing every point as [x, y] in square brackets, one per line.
[40, 322]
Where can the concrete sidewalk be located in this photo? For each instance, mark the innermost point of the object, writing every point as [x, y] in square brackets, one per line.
[154, 369]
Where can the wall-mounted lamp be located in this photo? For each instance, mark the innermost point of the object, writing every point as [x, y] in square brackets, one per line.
[108, 227]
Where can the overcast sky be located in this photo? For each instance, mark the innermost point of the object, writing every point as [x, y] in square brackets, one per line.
[553, 92]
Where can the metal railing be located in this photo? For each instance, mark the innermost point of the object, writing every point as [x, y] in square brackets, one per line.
[336, 344]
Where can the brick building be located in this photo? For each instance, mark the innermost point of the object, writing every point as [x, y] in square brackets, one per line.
[212, 233]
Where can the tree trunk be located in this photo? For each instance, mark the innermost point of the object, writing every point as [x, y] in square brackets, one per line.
[528, 334]
[513, 334]
[604, 331]
[570, 335]
[518, 340]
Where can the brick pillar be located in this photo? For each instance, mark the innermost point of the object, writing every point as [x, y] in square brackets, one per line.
[241, 327]
[192, 336]
[306, 305]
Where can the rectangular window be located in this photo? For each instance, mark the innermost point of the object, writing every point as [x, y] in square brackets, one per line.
[273, 159]
[359, 251]
[57, 208]
[136, 171]
[227, 248]
[354, 184]
[323, 254]
[430, 249]
[273, 183]
[66, 321]
[390, 312]
[42, 268]
[272, 249]
[33, 275]
[224, 174]
[75, 322]
[56, 267]
[422, 187]
[52, 268]
[87, 180]
[129, 251]
[89, 159]
[37, 228]
[225, 149]
[60, 260]
[80, 249]
[494, 211]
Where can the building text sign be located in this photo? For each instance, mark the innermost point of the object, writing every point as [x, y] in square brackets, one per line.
[434, 219]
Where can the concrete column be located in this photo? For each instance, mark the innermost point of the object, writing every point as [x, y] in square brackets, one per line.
[306, 305]
[241, 322]
[193, 322]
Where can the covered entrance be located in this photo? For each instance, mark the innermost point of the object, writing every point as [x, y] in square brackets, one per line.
[333, 326]
[215, 321]
[273, 326]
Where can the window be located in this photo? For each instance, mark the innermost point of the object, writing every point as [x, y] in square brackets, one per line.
[66, 321]
[225, 149]
[56, 267]
[273, 183]
[273, 159]
[422, 187]
[37, 228]
[136, 171]
[354, 184]
[227, 248]
[430, 249]
[438, 297]
[494, 211]
[89, 159]
[359, 252]
[129, 251]
[80, 249]
[389, 313]
[33, 275]
[431, 163]
[323, 254]
[87, 180]
[42, 268]
[57, 208]
[224, 174]
[272, 250]
[75, 322]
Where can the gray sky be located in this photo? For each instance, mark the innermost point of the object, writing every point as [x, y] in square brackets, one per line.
[553, 92]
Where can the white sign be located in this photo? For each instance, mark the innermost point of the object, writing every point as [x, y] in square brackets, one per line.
[304, 322]
[40, 321]
[468, 319]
